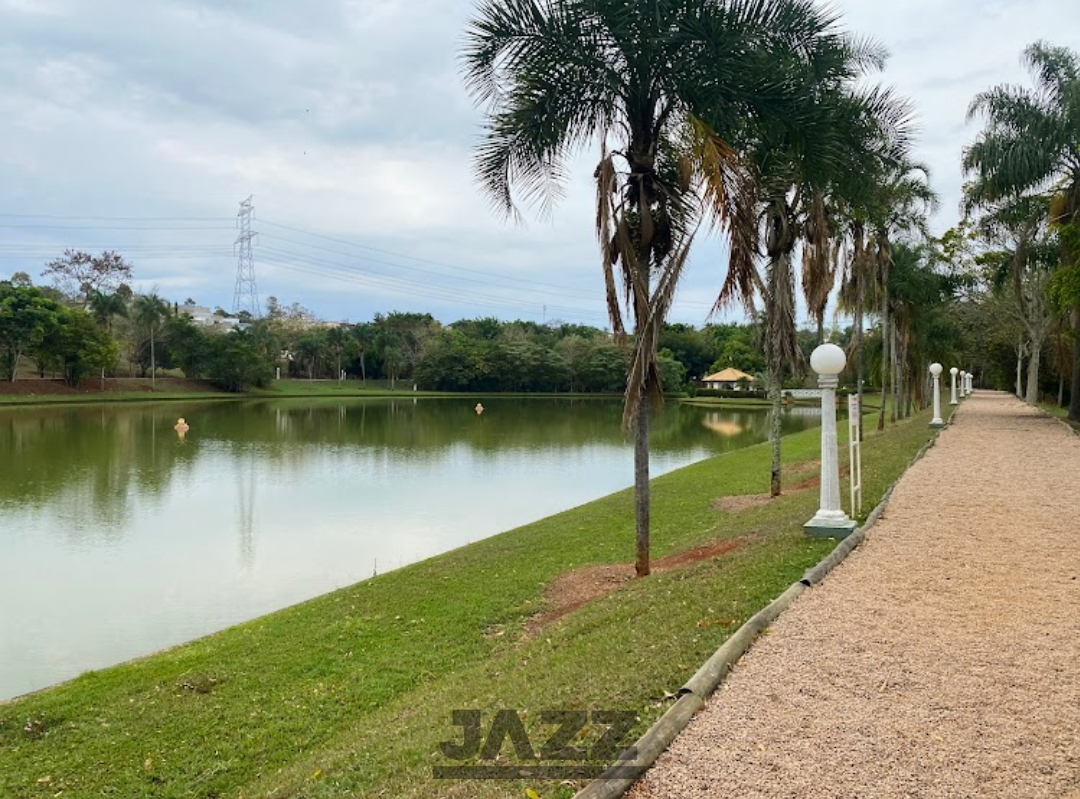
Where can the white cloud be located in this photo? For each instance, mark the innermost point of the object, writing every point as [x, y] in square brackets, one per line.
[348, 119]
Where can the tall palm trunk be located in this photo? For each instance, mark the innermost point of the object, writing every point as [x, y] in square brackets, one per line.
[641, 433]
[775, 383]
[860, 302]
[641, 486]
[886, 333]
[898, 372]
[1074, 389]
[778, 319]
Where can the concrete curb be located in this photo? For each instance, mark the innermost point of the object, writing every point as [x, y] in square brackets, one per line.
[708, 678]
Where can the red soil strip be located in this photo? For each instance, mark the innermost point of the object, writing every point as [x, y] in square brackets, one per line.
[33, 387]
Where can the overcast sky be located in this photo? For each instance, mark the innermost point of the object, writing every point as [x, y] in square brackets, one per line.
[139, 125]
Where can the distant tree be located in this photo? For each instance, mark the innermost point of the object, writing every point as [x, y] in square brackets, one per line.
[339, 344]
[78, 347]
[689, 346]
[21, 280]
[79, 273]
[310, 350]
[27, 317]
[364, 334]
[237, 362]
[148, 312]
[188, 345]
[106, 307]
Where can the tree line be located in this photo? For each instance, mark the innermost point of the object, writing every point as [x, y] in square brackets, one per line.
[81, 328]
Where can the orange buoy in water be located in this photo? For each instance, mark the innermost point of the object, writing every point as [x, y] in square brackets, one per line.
[181, 427]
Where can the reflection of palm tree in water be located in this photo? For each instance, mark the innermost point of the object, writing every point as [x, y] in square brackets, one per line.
[245, 478]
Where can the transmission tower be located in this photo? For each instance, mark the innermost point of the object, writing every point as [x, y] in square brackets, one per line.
[246, 296]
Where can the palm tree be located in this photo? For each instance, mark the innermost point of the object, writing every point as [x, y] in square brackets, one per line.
[105, 308]
[1030, 146]
[148, 311]
[798, 167]
[663, 88]
[901, 204]
[364, 334]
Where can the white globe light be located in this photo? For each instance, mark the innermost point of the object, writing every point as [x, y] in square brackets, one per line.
[962, 373]
[828, 359]
[954, 371]
[935, 369]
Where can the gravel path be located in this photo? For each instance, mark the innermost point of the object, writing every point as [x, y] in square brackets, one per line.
[941, 659]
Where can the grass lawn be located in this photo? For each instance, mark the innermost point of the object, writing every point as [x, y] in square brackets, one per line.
[350, 693]
[31, 392]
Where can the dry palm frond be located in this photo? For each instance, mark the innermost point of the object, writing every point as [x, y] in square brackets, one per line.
[644, 376]
[819, 258]
[606, 192]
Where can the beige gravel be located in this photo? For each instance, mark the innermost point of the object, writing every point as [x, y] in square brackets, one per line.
[941, 659]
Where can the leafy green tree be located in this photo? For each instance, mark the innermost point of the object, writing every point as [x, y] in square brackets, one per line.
[27, 318]
[188, 345]
[238, 362]
[740, 354]
[689, 346]
[79, 346]
[338, 344]
[310, 350]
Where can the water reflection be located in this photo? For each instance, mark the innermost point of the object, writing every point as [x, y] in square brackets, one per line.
[127, 536]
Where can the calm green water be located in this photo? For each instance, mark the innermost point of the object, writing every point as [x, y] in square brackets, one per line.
[117, 538]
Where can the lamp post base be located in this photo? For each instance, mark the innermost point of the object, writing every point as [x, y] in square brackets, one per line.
[830, 524]
[937, 424]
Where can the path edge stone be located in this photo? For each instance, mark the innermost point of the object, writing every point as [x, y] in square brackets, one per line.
[636, 760]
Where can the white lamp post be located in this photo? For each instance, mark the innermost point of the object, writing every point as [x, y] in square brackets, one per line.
[830, 521]
[935, 371]
[970, 380]
[963, 382]
[954, 372]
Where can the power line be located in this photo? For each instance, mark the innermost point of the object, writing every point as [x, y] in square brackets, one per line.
[115, 218]
[290, 261]
[483, 277]
[109, 227]
[545, 287]
[401, 255]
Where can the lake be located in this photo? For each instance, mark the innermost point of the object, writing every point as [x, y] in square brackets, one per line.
[117, 538]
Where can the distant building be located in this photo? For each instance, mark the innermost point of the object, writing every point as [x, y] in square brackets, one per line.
[730, 380]
[204, 317]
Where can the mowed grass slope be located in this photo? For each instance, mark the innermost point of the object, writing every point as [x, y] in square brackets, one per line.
[350, 693]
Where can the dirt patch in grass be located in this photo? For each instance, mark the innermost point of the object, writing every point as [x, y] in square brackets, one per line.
[809, 471]
[741, 502]
[572, 590]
